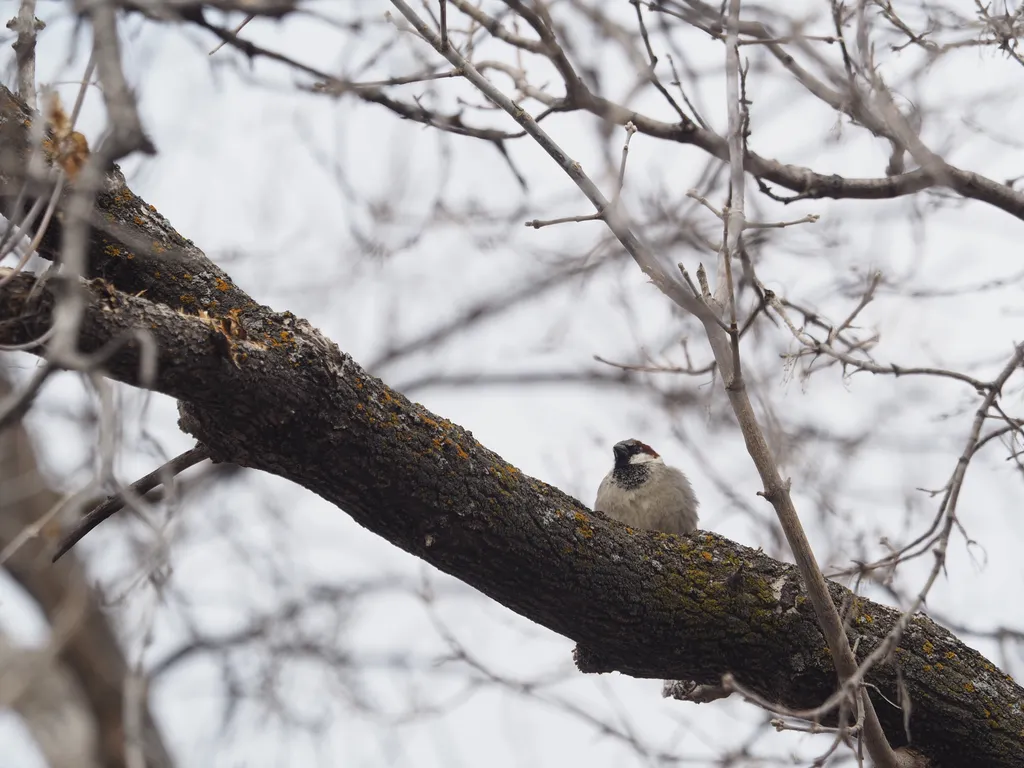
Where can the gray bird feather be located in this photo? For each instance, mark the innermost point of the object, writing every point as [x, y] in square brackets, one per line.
[664, 501]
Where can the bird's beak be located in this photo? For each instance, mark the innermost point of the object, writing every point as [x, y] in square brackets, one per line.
[620, 452]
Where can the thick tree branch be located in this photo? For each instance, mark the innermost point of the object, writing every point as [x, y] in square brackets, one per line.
[646, 604]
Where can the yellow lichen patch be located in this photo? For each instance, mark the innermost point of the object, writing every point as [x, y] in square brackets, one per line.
[442, 441]
[950, 655]
[939, 666]
[969, 687]
[707, 556]
[284, 337]
[927, 667]
[186, 298]
[928, 647]
[584, 529]
[222, 284]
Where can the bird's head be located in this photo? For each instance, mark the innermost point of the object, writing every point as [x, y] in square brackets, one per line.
[633, 452]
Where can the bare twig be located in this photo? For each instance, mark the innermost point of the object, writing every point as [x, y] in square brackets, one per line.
[135, 692]
[235, 31]
[26, 25]
[140, 487]
[126, 133]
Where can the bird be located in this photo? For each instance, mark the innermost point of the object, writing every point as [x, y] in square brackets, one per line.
[642, 491]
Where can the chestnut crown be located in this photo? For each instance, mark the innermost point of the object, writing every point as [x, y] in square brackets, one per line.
[633, 452]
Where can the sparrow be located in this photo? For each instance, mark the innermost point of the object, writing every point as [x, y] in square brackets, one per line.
[644, 492]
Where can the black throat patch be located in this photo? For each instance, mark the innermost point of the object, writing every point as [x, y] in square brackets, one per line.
[630, 476]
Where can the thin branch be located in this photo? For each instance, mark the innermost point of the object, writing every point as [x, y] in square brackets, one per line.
[26, 26]
[235, 31]
[126, 133]
[117, 502]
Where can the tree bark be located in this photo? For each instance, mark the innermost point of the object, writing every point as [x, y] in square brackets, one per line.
[266, 390]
